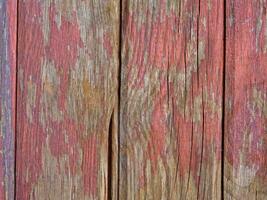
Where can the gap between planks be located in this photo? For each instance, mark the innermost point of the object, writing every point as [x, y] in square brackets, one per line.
[16, 102]
[116, 117]
[223, 97]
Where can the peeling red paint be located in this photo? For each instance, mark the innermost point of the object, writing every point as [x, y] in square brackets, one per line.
[156, 144]
[107, 45]
[246, 72]
[11, 9]
[64, 140]
[32, 31]
[8, 17]
[158, 45]
[63, 48]
[60, 99]
[173, 59]
[89, 165]
[2, 175]
[64, 58]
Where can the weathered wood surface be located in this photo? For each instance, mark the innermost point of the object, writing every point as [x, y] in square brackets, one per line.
[67, 92]
[171, 99]
[246, 100]
[7, 96]
[66, 108]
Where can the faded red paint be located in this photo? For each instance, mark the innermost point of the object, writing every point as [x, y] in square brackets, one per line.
[107, 45]
[159, 44]
[246, 90]
[12, 31]
[30, 31]
[2, 175]
[159, 128]
[48, 129]
[90, 165]
[63, 47]
[64, 140]
[166, 41]
[64, 40]
[8, 17]
[246, 73]
[63, 50]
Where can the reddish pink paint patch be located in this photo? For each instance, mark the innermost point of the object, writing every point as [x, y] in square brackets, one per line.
[63, 47]
[63, 50]
[64, 140]
[170, 44]
[247, 72]
[2, 177]
[90, 164]
[12, 21]
[30, 31]
[159, 129]
[159, 46]
[107, 45]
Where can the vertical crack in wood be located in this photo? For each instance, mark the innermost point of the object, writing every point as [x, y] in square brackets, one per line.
[198, 16]
[110, 157]
[114, 124]
[67, 121]
[119, 96]
[203, 108]
[16, 102]
[223, 98]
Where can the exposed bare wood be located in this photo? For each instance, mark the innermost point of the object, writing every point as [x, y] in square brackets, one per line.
[171, 99]
[67, 92]
[246, 100]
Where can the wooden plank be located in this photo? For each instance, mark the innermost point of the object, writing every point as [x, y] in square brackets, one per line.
[8, 14]
[246, 100]
[171, 99]
[67, 92]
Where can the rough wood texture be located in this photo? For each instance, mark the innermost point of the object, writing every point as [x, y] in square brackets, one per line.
[67, 92]
[8, 25]
[171, 99]
[246, 100]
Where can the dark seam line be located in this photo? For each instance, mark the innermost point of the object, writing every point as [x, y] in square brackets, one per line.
[110, 156]
[223, 97]
[16, 104]
[119, 98]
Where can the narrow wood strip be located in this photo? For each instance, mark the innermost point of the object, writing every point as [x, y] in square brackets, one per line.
[8, 17]
[246, 100]
[67, 92]
[171, 99]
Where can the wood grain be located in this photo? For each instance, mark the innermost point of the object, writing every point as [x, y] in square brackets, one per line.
[246, 100]
[67, 92]
[8, 17]
[171, 99]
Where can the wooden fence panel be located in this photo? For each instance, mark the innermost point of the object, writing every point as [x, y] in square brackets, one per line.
[177, 63]
[67, 92]
[8, 17]
[246, 100]
[171, 99]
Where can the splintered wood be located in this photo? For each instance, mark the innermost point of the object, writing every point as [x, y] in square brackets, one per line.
[67, 91]
[171, 99]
